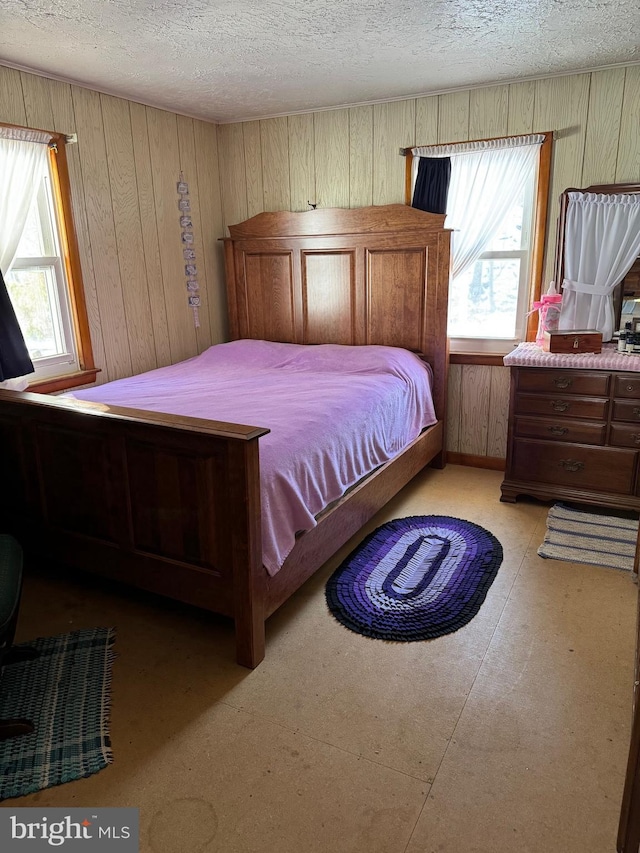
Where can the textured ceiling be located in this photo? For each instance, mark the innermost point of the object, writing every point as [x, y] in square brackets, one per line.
[235, 60]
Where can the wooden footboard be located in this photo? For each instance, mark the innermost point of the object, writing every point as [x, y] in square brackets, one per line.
[169, 504]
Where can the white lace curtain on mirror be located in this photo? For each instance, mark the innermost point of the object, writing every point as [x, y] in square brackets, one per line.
[602, 241]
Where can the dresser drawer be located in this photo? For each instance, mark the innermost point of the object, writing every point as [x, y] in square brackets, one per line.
[625, 435]
[563, 406]
[627, 386]
[626, 410]
[603, 469]
[580, 432]
[589, 383]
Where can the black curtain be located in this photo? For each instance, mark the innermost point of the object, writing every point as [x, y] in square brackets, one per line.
[14, 356]
[432, 184]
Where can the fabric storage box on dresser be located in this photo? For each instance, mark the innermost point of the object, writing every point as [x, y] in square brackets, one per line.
[574, 427]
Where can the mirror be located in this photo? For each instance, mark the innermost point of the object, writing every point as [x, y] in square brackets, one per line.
[629, 296]
[625, 306]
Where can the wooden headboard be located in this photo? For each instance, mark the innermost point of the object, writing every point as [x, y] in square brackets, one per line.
[373, 275]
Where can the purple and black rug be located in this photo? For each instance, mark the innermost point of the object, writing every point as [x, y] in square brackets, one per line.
[415, 578]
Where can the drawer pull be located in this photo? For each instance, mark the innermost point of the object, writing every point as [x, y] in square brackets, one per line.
[572, 464]
[558, 430]
[631, 387]
[562, 406]
[563, 382]
[636, 410]
[636, 437]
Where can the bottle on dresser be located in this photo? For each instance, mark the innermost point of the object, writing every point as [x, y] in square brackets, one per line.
[631, 342]
[622, 340]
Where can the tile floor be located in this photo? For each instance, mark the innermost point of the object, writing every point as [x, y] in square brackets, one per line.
[509, 735]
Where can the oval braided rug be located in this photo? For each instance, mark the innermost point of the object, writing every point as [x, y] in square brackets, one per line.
[415, 578]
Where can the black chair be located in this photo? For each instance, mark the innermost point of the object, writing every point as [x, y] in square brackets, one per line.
[10, 590]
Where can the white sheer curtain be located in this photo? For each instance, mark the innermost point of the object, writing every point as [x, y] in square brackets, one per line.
[602, 240]
[22, 166]
[23, 155]
[486, 179]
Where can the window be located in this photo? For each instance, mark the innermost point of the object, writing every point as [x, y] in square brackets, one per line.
[38, 289]
[44, 282]
[490, 297]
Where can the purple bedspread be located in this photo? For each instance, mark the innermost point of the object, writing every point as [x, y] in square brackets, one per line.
[335, 413]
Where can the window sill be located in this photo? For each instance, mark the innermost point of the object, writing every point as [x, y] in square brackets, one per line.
[492, 359]
[61, 383]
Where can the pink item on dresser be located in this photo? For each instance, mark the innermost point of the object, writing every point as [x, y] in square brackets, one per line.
[548, 314]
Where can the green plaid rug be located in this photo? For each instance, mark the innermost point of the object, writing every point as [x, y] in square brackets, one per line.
[65, 692]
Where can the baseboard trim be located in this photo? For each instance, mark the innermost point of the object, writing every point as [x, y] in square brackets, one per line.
[495, 463]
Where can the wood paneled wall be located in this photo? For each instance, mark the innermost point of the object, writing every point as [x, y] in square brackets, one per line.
[123, 173]
[349, 158]
[126, 163]
[478, 409]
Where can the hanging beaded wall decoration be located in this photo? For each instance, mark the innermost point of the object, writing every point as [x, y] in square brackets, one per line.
[188, 252]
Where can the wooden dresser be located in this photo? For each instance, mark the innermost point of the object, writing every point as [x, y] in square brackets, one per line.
[574, 434]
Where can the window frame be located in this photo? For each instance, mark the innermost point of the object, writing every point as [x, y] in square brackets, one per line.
[70, 256]
[490, 347]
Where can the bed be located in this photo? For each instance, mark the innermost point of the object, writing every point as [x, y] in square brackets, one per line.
[172, 503]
